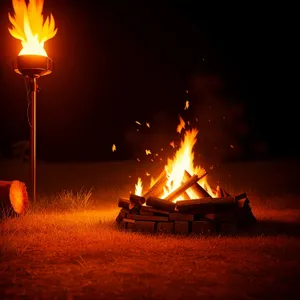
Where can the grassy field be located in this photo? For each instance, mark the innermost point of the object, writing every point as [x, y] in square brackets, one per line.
[69, 248]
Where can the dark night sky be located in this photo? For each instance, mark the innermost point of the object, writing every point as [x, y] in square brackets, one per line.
[121, 61]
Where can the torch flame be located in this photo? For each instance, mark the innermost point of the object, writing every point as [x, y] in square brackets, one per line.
[28, 26]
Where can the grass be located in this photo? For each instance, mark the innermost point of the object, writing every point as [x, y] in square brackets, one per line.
[68, 247]
[65, 254]
[66, 200]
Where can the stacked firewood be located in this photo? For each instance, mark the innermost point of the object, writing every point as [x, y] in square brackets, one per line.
[204, 215]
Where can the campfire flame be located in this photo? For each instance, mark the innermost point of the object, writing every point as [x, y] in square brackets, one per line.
[29, 26]
[139, 187]
[183, 160]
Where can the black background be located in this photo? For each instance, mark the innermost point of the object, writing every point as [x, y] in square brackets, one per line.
[121, 61]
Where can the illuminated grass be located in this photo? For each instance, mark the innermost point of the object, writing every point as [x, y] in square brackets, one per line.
[76, 253]
[66, 200]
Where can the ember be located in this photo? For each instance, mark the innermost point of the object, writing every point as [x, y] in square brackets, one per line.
[180, 200]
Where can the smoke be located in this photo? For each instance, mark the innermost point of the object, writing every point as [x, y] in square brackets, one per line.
[221, 121]
[219, 115]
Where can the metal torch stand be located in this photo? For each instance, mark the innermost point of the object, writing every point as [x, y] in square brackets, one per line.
[33, 67]
[33, 91]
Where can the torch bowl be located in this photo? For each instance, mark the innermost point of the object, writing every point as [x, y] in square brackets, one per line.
[33, 65]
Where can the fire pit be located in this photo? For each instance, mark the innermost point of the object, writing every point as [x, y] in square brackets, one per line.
[181, 201]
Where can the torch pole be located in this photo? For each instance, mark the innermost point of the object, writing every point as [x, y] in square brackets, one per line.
[34, 88]
[33, 67]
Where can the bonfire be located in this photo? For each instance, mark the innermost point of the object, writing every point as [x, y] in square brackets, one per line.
[181, 200]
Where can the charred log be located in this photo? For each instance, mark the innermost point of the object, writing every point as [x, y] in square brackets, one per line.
[157, 188]
[206, 205]
[124, 203]
[137, 200]
[161, 204]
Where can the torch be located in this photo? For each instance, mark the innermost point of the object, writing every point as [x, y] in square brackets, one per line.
[29, 26]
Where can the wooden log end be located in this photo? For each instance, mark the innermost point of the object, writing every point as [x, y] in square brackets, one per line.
[124, 203]
[135, 199]
[14, 197]
[161, 204]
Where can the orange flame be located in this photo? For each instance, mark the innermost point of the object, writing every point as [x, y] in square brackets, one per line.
[139, 187]
[183, 160]
[187, 104]
[28, 26]
[181, 125]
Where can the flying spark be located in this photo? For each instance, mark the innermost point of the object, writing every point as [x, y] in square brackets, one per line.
[181, 125]
[187, 104]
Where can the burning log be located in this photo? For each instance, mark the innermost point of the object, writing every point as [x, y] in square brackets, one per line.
[182, 188]
[200, 216]
[161, 204]
[13, 198]
[122, 214]
[186, 196]
[181, 217]
[197, 189]
[136, 200]
[149, 209]
[206, 205]
[147, 218]
[220, 192]
[241, 197]
[135, 203]
[241, 214]
[156, 189]
[124, 203]
[245, 216]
